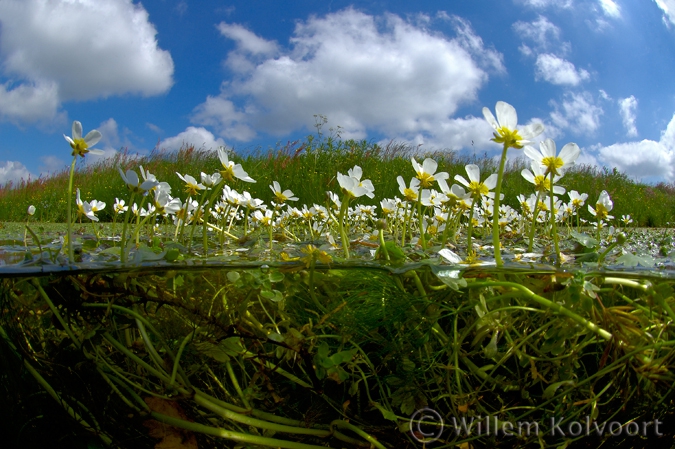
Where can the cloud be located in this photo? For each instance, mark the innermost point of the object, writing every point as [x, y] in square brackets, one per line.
[541, 32]
[13, 171]
[200, 138]
[647, 158]
[627, 108]
[29, 102]
[563, 4]
[52, 52]
[51, 165]
[577, 113]
[668, 8]
[610, 8]
[558, 71]
[362, 72]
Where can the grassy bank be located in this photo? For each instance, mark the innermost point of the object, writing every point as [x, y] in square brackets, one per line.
[308, 168]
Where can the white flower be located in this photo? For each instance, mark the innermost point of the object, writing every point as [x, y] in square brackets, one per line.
[119, 206]
[132, 181]
[410, 193]
[191, 184]
[280, 196]
[602, 207]
[31, 210]
[81, 146]
[542, 183]
[474, 185]
[426, 172]
[505, 126]
[230, 169]
[353, 186]
[547, 158]
[211, 180]
[84, 208]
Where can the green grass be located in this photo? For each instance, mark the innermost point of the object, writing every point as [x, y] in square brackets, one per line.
[309, 167]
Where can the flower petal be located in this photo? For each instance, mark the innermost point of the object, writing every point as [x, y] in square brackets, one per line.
[506, 115]
[473, 171]
[490, 118]
[77, 130]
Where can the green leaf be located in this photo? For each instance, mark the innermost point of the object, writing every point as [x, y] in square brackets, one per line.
[451, 278]
[276, 276]
[214, 351]
[551, 389]
[233, 276]
[584, 239]
[632, 260]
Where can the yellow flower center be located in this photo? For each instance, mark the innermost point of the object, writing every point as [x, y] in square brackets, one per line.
[552, 164]
[191, 189]
[79, 147]
[542, 183]
[477, 189]
[601, 211]
[425, 179]
[509, 137]
[410, 194]
[280, 197]
[228, 173]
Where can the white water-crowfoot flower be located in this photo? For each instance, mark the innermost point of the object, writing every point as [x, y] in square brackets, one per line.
[230, 169]
[426, 173]
[551, 162]
[474, 184]
[506, 126]
[119, 207]
[133, 183]
[282, 196]
[81, 146]
[31, 210]
[191, 184]
[602, 207]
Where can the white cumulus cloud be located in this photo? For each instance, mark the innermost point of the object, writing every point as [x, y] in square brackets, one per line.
[13, 171]
[56, 51]
[200, 138]
[360, 71]
[646, 158]
[559, 71]
[610, 8]
[668, 8]
[541, 32]
[627, 108]
[577, 113]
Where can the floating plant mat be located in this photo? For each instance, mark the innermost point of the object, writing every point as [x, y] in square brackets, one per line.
[302, 354]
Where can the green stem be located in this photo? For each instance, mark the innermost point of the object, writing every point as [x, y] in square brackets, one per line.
[69, 215]
[343, 233]
[123, 250]
[533, 228]
[345, 425]
[56, 313]
[495, 211]
[230, 435]
[235, 384]
[554, 226]
[420, 218]
[469, 231]
[548, 304]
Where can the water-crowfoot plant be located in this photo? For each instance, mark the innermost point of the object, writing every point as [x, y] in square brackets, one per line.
[554, 166]
[601, 211]
[426, 174]
[510, 136]
[371, 337]
[352, 187]
[477, 189]
[80, 146]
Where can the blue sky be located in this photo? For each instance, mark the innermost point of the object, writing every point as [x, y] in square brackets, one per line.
[249, 74]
